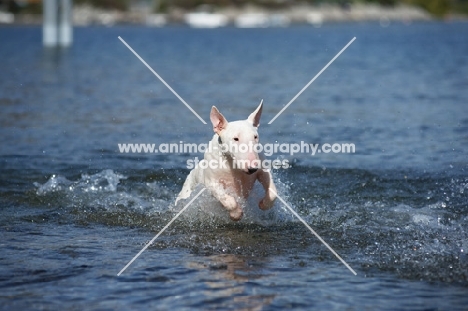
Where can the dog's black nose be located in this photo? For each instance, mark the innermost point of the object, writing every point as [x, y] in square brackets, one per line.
[252, 170]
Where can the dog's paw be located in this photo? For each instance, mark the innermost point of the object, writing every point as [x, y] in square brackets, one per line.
[236, 214]
[234, 209]
[265, 204]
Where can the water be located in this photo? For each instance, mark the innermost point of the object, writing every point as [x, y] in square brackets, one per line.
[75, 210]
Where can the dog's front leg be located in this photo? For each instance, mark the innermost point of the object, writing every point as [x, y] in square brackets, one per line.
[265, 178]
[189, 184]
[228, 201]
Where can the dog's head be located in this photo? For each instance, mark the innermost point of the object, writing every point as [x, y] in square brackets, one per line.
[239, 139]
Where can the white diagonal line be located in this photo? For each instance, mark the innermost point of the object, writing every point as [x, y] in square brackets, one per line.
[315, 233]
[162, 80]
[311, 81]
[160, 232]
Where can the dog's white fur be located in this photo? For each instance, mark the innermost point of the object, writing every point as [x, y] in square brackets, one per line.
[231, 185]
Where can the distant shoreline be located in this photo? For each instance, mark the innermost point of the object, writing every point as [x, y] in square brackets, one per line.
[84, 15]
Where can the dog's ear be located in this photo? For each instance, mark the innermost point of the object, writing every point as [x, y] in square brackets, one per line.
[254, 117]
[218, 120]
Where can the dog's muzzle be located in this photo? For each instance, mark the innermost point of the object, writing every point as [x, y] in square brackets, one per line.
[252, 170]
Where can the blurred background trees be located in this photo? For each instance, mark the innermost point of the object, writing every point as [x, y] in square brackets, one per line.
[439, 8]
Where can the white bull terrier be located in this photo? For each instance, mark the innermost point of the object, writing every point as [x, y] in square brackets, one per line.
[228, 170]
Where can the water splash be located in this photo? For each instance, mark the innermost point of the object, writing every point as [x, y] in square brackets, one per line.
[376, 222]
[105, 181]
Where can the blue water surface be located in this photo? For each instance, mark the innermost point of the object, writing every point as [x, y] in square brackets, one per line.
[74, 210]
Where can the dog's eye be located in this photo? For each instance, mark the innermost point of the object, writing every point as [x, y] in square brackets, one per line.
[236, 139]
[256, 136]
